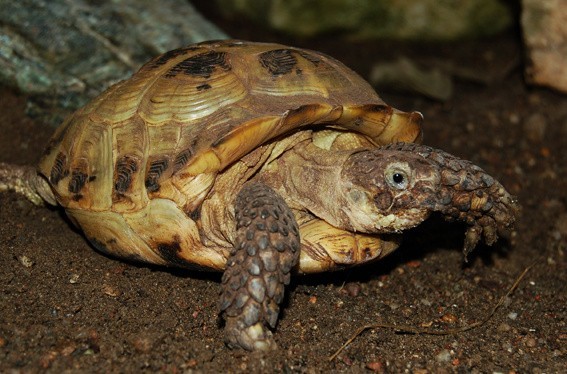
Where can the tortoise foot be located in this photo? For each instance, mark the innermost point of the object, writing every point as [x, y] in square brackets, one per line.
[266, 249]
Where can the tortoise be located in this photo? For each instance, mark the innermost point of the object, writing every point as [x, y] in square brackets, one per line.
[259, 160]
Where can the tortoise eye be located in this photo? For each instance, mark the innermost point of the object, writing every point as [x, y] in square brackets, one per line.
[397, 178]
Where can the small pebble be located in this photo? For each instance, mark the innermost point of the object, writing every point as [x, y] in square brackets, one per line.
[347, 360]
[142, 344]
[191, 363]
[375, 366]
[443, 356]
[426, 324]
[352, 289]
[68, 350]
[535, 126]
[531, 342]
[110, 290]
[26, 261]
[407, 311]
[449, 318]
[504, 327]
[46, 360]
[414, 264]
[512, 315]
[74, 278]
[394, 306]
[514, 118]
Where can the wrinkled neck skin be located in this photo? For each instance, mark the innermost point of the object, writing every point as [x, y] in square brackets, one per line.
[392, 188]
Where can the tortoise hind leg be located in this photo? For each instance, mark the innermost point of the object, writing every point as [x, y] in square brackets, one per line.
[265, 251]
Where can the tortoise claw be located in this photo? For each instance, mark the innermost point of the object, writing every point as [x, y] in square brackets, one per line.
[472, 237]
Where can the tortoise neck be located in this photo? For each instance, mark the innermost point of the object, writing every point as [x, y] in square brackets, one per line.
[307, 177]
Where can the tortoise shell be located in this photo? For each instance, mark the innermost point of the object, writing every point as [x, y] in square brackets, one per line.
[149, 169]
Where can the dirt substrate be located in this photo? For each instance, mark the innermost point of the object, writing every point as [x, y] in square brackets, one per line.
[63, 306]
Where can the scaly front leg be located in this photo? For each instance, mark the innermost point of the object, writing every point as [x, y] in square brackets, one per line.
[266, 249]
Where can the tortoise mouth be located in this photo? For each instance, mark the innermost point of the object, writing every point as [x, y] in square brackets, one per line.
[398, 221]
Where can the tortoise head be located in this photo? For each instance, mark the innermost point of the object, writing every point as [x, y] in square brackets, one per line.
[398, 186]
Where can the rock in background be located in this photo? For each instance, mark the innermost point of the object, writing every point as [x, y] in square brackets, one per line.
[363, 19]
[544, 25]
[64, 52]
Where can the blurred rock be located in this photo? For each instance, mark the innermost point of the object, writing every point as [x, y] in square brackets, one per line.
[64, 52]
[406, 76]
[545, 35]
[391, 19]
[534, 127]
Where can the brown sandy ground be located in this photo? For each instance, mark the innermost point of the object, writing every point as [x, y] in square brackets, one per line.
[65, 307]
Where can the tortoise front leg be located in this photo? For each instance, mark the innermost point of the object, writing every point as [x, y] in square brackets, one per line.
[265, 251]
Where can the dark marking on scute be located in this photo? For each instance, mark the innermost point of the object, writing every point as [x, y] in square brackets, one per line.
[78, 181]
[278, 61]
[181, 159]
[203, 87]
[77, 197]
[125, 168]
[201, 65]
[314, 59]
[59, 169]
[170, 252]
[170, 55]
[151, 185]
[156, 169]
[366, 253]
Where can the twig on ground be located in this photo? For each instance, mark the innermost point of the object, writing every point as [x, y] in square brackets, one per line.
[417, 330]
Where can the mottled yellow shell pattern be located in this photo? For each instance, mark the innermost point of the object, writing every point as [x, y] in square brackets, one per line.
[133, 167]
